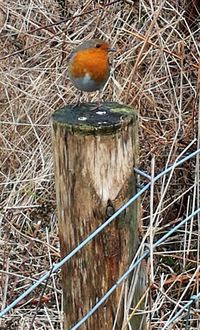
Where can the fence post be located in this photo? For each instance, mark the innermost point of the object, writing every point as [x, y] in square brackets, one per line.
[94, 153]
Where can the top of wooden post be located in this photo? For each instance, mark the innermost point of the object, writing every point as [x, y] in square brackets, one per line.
[85, 119]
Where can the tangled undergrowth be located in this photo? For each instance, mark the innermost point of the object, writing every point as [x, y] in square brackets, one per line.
[155, 70]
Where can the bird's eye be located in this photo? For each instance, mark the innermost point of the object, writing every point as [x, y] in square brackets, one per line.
[98, 45]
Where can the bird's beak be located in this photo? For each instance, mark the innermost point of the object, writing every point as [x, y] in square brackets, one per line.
[112, 50]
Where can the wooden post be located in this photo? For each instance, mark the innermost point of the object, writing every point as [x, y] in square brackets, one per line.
[95, 152]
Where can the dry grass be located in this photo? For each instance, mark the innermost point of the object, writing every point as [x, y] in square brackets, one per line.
[156, 71]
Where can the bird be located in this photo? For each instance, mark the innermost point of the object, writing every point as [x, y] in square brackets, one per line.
[89, 66]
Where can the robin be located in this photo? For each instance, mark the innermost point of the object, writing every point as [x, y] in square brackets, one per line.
[89, 66]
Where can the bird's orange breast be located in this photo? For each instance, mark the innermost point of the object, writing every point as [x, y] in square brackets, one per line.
[93, 62]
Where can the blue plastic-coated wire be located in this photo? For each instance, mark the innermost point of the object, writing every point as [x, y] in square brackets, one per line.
[93, 234]
[189, 303]
[108, 293]
[142, 173]
[73, 252]
[131, 268]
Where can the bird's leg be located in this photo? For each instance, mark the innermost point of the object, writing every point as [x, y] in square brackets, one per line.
[99, 102]
[78, 102]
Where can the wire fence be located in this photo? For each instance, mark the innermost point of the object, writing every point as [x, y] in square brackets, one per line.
[134, 263]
